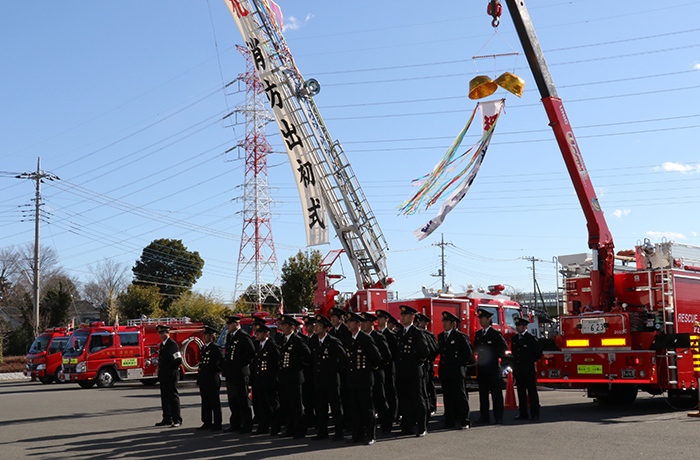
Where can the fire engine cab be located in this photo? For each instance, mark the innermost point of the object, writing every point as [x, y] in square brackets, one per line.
[44, 357]
[102, 355]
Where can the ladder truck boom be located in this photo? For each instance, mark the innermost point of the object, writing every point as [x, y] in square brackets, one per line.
[348, 209]
[600, 239]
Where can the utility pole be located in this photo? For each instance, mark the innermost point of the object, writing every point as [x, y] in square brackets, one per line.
[441, 272]
[37, 176]
[534, 280]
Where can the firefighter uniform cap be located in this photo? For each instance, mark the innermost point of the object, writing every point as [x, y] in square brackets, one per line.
[261, 327]
[422, 317]
[383, 314]
[393, 320]
[481, 313]
[233, 319]
[208, 330]
[406, 310]
[288, 319]
[163, 328]
[367, 316]
[311, 319]
[447, 316]
[520, 321]
[324, 321]
[337, 312]
[354, 317]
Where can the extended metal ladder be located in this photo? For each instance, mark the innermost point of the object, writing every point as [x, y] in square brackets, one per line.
[668, 317]
[348, 208]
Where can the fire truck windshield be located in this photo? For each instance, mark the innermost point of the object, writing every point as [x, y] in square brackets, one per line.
[40, 344]
[76, 343]
[511, 314]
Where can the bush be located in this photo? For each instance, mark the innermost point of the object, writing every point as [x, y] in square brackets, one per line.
[197, 307]
[13, 364]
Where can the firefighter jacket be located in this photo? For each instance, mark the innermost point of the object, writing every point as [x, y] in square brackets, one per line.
[238, 355]
[432, 345]
[363, 359]
[489, 347]
[265, 366]
[393, 342]
[169, 358]
[212, 358]
[455, 355]
[294, 356]
[329, 360]
[526, 351]
[413, 353]
[342, 333]
[383, 346]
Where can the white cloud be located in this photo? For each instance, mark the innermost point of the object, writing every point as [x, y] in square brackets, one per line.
[621, 212]
[679, 167]
[694, 234]
[292, 23]
[602, 191]
[667, 235]
[697, 66]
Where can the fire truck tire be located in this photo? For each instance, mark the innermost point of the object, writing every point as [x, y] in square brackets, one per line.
[149, 382]
[55, 376]
[86, 383]
[46, 380]
[183, 349]
[105, 378]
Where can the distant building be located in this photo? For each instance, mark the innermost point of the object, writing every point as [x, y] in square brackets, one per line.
[550, 302]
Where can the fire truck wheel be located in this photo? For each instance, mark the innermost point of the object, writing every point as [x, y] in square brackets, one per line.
[86, 384]
[46, 379]
[55, 376]
[149, 382]
[105, 378]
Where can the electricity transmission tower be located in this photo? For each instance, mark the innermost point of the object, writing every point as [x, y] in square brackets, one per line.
[257, 254]
[38, 176]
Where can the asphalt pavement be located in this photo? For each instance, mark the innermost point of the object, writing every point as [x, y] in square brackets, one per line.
[65, 421]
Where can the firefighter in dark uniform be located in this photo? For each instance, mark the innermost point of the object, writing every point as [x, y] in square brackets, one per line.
[169, 361]
[340, 331]
[381, 406]
[294, 356]
[410, 361]
[490, 346]
[363, 360]
[526, 351]
[455, 356]
[263, 378]
[329, 362]
[431, 394]
[210, 363]
[383, 318]
[239, 353]
[307, 335]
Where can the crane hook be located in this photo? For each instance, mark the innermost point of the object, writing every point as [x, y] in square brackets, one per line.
[494, 10]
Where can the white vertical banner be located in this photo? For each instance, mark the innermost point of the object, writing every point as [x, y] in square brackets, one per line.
[490, 111]
[280, 94]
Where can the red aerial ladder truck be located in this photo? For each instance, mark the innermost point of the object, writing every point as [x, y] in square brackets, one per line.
[623, 332]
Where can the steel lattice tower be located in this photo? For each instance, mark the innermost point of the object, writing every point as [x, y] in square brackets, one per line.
[257, 253]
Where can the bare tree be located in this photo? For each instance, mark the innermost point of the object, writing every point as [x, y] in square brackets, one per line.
[109, 279]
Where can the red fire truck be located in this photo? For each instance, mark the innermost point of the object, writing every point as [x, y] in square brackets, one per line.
[647, 341]
[102, 355]
[44, 357]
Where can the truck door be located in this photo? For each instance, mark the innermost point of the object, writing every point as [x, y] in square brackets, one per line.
[130, 356]
[100, 350]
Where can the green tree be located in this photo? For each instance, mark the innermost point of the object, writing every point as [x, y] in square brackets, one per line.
[198, 306]
[299, 280]
[55, 307]
[141, 300]
[168, 265]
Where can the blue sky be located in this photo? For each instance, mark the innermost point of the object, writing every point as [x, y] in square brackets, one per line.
[124, 102]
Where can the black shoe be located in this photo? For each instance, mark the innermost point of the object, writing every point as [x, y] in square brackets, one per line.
[205, 427]
[352, 441]
[262, 431]
[216, 428]
[175, 425]
[245, 430]
[465, 426]
[534, 418]
[521, 417]
[369, 442]
[499, 422]
[321, 436]
[164, 423]
[231, 429]
[406, 432]
[338, 437]
[420, 435]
